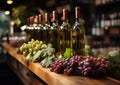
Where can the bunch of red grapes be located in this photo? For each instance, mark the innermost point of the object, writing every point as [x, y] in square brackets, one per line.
[94, 66]
[78, 65]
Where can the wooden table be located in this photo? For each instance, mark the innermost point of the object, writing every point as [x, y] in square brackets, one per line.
[52, 78]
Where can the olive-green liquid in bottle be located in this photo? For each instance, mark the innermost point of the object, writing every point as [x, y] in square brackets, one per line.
[53, 32]
[46, 29]
[78, 34]
[64, 33]
[39, 27]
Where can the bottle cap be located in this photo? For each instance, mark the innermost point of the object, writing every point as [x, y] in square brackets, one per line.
[46, 17]
[54, 15]
[39, 18]
[77, 12]
[65, 14]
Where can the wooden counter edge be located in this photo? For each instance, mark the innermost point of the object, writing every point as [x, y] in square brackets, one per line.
[53, 78]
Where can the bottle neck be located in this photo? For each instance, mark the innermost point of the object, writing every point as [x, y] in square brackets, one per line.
[65, 24]
[47, 24]
[78, 23]
[79, 20]
[77, 16]
[54, 25]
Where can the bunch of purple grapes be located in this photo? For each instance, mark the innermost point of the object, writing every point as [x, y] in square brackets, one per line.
[71, 67]
[94, 66]
[78, 65]
[58, 65]
[66, 66]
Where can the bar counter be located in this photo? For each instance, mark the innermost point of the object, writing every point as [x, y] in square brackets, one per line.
[52, 78]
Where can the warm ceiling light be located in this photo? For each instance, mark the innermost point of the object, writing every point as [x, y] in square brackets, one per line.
[9, 1]
[7, 12]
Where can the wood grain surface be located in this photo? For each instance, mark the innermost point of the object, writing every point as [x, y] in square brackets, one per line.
[52, 78]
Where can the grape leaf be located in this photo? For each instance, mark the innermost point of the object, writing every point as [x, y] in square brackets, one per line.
[68, 53]
[46, 62]
[37, 55]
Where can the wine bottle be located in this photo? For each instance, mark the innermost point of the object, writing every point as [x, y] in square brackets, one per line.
[78, 34]
[46, 28]
[64, 33]
[39, 27]
[30, 28]
[53, 32]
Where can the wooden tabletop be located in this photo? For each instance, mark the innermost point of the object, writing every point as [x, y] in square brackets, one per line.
[52, 78]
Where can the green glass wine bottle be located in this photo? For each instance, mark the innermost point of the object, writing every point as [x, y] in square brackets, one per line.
[54, 32]
[64, 33]
[78, 34]
[46, 29]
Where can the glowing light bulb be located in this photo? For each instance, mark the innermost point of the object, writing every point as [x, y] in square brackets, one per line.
[7, 12]
[9, 1]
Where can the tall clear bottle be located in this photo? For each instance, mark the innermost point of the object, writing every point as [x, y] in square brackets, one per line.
[64, 33]
[39, 27]
[53, 32]
[46, 29]
[78, 34]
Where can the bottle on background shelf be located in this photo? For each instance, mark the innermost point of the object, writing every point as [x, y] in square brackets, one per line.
[78, 34]
[64, 33]
[107, 23]
[102, 24]
[97, 26]
[93, 30]
[116, 20]
[98, 2]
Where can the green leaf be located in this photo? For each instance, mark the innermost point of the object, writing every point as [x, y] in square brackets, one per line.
[46, 62]
[68, 53]
[29, 57]
[37, 55]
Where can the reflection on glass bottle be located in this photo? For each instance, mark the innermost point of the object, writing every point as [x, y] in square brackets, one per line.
[64, 32]
[53, 32]
[78, 34]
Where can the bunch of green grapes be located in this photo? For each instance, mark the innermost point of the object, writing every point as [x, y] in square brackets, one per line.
[114, 58]
[31, 47]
